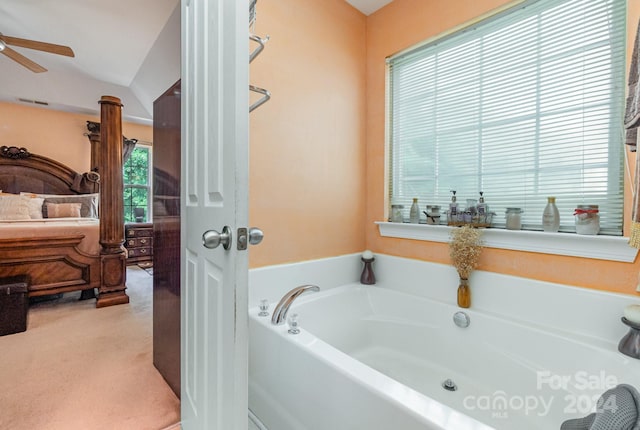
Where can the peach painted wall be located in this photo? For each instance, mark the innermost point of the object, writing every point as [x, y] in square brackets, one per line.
[398, 26]
[307, 144]
[56, 134]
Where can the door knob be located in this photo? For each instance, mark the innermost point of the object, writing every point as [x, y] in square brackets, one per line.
[252, 236]
[212, 239]
[255, 235]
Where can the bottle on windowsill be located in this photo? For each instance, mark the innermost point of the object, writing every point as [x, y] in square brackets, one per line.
[482, 207]
[551, 216]
[414, 213]
[452, 216]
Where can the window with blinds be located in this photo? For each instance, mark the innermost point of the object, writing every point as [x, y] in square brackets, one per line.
[524, 105]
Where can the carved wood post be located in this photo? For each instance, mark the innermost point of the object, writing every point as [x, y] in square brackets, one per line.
[94, 139]
[113, 259]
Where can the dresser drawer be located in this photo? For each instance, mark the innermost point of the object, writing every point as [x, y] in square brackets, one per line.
[140, 232]
[139, 242]
[140, 252]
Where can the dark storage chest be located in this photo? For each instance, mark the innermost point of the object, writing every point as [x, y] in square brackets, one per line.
[14, 304]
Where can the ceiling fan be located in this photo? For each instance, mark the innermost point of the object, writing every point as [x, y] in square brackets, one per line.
[31, 44]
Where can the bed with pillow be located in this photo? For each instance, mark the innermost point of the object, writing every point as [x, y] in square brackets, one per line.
[49, 223]
[30, 215]
[52, 231]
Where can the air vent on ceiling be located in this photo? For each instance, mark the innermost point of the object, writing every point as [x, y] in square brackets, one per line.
[37, 102]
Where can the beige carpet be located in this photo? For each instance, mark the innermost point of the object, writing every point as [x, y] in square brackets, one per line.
[78, 367]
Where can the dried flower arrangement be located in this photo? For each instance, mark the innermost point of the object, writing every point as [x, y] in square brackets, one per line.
[465, 249]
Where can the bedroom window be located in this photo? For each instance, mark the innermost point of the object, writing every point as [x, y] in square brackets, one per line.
[137, 185]
[523, 105]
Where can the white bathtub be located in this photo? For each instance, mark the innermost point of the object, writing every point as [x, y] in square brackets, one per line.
[374, 357]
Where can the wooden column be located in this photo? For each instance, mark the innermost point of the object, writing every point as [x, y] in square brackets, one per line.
[112, 254]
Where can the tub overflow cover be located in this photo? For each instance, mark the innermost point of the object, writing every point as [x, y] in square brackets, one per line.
[461, 319]
[449, 385]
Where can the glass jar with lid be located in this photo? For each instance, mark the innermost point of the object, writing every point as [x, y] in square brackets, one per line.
[513, 218]
[587, 219]
[396, 213]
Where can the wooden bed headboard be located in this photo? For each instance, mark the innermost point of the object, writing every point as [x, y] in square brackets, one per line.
[22, 171]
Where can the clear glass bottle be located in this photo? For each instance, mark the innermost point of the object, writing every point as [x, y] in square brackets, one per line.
[414, 212]
[513, 218]
[587, 219]
[484, 215]
[396, 213]
[452, 215]
[551, 216]
[483, 208]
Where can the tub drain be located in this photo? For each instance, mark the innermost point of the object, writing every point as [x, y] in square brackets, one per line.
[449, 385]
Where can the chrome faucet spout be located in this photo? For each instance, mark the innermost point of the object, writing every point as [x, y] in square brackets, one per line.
[280, 312]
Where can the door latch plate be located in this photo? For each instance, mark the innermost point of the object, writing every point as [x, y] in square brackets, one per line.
[242, 239]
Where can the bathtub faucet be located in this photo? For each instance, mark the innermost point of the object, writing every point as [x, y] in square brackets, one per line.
[280, 312]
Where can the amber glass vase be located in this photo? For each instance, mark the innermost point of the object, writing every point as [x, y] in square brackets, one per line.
[464, 293]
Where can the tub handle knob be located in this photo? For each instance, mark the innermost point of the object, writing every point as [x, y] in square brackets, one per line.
[293, 324]
[264, 307]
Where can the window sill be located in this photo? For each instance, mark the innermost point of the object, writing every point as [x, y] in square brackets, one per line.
[609, 248]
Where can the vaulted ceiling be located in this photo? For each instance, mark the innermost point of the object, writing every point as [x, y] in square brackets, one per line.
[125, 48]
[111, 40]
[368, 6]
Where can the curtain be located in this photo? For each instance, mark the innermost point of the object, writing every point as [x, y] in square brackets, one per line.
[127, 148]
[128, 145]
[631, 123]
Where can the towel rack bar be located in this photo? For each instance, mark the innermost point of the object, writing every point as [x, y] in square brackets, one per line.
[260, 41]
[252, 12]
[266, 95]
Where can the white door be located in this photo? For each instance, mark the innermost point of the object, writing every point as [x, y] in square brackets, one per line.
[214, 195]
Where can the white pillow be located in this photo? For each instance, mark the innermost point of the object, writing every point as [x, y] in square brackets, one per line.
[13, 207]
[35, 206]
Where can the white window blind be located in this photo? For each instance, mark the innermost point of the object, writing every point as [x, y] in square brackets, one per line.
[522, 106]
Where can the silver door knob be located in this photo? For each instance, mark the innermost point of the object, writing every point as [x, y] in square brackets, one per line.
[255, 236]
[212, 239]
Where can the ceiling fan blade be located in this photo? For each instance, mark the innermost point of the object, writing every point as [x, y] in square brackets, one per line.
[40, 46]
[16, 56]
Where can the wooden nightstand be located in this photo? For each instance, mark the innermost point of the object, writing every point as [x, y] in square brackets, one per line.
[139, 242]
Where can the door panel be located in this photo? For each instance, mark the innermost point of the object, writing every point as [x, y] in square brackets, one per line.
[166, 236]
[215, 169]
